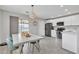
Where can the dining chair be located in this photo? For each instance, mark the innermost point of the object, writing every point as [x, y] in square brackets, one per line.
[35, 44]
[11, 46]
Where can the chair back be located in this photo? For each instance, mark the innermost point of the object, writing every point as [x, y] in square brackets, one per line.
[10, 42]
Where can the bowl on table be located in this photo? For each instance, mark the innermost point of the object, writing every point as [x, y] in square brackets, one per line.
[26, 34]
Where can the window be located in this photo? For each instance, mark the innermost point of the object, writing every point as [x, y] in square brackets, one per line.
[23, 26]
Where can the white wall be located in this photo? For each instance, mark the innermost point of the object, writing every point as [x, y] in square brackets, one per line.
[41, 29]
[38, 29]
[5, 23]
[33, 28]
[0, 26]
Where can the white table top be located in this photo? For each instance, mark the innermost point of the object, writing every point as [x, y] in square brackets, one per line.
[18, 39]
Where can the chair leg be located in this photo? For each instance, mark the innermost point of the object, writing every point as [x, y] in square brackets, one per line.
[38, 48]
[33, 48]
[21, 49]
[29, 48]
[11, 51]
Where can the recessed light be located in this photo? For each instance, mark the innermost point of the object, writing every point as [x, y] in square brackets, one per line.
[66, 10]
[69, 13]
[59, 15]
[61, 6]
[52, 17]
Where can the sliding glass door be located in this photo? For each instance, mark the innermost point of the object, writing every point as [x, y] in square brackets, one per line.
[18, 25]
[23, 26]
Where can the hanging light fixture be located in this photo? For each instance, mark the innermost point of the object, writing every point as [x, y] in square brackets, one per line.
[33, 17]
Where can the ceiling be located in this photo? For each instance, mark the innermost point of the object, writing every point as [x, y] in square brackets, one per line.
[42, 11]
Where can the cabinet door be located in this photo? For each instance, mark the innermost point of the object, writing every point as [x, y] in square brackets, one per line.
[68, 21]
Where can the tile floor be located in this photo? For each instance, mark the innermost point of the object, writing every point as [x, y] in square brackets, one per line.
[48, 45]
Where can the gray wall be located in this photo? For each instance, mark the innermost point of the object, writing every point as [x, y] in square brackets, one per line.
[14, 24]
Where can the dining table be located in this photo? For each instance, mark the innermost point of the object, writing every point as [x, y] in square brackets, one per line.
[20, 40]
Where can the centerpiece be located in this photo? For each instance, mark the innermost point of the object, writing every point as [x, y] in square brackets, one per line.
[26, 34]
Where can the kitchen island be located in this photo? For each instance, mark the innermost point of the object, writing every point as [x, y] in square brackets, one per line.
[70, 39]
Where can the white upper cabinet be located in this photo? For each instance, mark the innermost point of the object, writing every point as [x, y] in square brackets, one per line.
[71, 20]
[75, 20]
[67, 21]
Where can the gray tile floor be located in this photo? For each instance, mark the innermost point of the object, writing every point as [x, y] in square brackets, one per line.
[48, 45]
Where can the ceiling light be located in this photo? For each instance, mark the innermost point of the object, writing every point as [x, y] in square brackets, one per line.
[33, 18]
[69, 13]
[52, 17]
[59, 15]
[61, 6]
[66, 10]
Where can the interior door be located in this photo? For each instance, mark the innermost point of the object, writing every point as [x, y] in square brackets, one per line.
[48, 27]
[13, 24]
